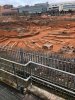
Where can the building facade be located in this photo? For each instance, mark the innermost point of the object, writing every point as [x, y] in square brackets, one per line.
[67, 7]
[53, 9]
[8, 10]
[62, 6]
[37, 8]
[8, 6]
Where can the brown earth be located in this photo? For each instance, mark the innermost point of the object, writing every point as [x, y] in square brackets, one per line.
[32, 33]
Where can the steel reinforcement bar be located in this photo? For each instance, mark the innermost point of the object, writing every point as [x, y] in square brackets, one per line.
[50, 76]
[51, 60]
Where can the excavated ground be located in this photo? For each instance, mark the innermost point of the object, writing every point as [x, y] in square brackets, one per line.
[38, 33]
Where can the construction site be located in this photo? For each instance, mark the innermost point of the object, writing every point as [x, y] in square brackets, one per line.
[39, 33]
[39, 50]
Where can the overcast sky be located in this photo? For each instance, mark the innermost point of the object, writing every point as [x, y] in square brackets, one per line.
[30, 2]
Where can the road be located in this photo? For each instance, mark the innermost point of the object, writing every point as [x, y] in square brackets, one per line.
[9, 94]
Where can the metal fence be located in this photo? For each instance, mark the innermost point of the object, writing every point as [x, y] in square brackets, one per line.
[48, 59]
[48, 75]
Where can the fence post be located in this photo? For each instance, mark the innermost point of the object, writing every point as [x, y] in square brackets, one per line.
[31, 73]
[13, 68]
[21, 55]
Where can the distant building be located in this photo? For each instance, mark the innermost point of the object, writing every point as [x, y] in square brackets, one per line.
[70, 6]
[53, 9]
[8, 6]
[62, 6]
[37, 8]
[7, 12]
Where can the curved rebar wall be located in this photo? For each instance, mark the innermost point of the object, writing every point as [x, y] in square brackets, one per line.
[48, 59]
[47, 75]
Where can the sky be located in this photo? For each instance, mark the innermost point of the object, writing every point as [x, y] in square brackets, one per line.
[30, 2]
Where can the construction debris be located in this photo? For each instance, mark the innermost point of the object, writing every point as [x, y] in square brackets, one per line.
[47, 46]
[67, 49]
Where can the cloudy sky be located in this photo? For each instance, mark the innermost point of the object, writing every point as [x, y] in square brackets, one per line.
[30, 2]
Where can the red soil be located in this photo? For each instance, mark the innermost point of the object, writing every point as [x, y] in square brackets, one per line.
[59, 32]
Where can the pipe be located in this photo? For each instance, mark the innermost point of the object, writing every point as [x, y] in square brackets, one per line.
[62, 88]
[31, 62]
[26, 80]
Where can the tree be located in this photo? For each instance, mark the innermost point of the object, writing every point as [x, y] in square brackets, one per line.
[70, 11]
